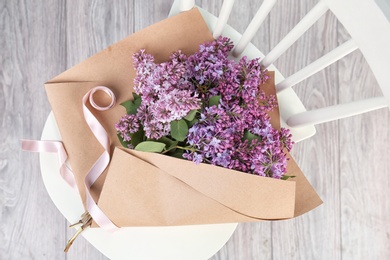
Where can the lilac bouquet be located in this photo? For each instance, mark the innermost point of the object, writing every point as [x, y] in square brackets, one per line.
[205, 108]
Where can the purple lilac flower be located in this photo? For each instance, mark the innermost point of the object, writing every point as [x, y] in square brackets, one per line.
[166, 93]
[243, 107]
[129, 124]
[170, 90]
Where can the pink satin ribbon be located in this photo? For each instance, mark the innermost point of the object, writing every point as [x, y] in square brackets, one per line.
[92, 101]
[53, 147]
[99, 166]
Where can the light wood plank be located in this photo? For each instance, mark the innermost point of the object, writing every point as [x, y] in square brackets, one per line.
[147, 13]
[32, 36]
[249, 241]
[94, 25]
[364, 166]
[91, 27]
[316, 234]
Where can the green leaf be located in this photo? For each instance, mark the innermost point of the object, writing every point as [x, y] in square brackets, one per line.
[191, 115]
[127, 104]
[179, 130]
[169, 144]
[150, 146]
[249, 136]
[285, 177]
[167, 141]
[135, 96]
[123, 142]
[191, 123]
[137, 137]
[214, 100]
[177, 154]
[132, 105]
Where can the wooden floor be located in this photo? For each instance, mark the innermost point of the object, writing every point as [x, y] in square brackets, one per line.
[347, 161]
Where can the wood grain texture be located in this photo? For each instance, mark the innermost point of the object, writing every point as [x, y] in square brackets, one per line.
[91, 27]
[315, 235]
[346, 161]
[30, 225]
[364, 165]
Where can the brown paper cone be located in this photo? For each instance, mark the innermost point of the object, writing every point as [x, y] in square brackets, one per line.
[113, 67]
[145, 189]
[148, 189]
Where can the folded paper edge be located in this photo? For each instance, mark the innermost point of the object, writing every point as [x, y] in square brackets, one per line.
[132, 165]
[198, 184]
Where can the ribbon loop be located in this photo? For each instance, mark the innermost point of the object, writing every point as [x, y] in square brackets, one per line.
[99, 166]
[104, 89]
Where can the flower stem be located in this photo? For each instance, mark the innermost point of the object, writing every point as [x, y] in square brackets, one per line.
[187, 148]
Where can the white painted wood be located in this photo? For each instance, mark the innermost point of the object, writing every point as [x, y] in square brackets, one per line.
[223, 17]
[319, 64]
[186, 5]
[130, 242]
[289, 102]
[330, 113]
[372, 35]
[250, 240]
[303, 25]
[315, 235]
[253, 27]
[384, 5]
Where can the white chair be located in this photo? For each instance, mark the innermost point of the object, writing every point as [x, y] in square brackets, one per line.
[292, 110]
[350, 14]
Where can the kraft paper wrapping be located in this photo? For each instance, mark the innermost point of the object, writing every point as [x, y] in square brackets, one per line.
[146, 189]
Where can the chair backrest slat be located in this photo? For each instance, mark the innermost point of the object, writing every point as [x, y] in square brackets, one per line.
[311, 17]
[319, 64]
[370, 36]
[223, 17]
[253, 26]
[186, 5]
[327, 114]
[369, 26]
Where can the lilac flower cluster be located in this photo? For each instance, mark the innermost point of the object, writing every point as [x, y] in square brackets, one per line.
[231, 128]
[166, 96]
[128, 125]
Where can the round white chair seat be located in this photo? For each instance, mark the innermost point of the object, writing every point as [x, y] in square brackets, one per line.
[176, 242]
